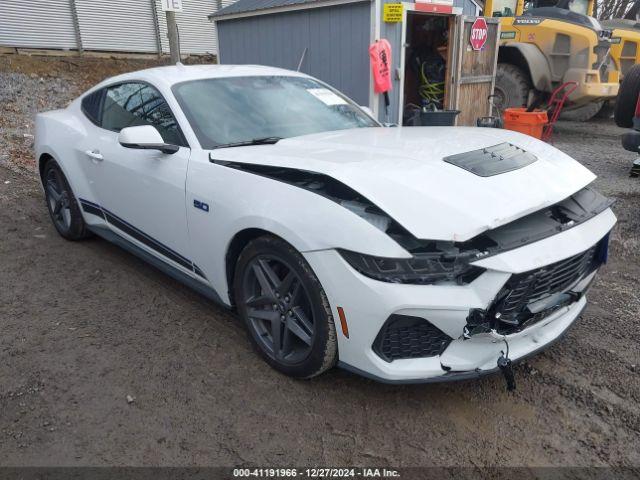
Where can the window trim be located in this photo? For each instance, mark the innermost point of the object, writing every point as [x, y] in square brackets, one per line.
[103, 90]
[96, 122]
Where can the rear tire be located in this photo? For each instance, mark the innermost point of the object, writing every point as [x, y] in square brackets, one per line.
[607, 109]
[512, 86]
[583, 113]
[284, 308]
[627, 98]
[62, 204]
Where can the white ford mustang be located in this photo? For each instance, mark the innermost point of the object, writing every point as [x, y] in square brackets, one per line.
[404, 254]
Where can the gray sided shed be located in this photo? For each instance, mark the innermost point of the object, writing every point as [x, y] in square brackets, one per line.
[333, 35]
[336, 36]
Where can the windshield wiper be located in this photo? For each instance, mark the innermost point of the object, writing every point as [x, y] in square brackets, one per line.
[255, 141]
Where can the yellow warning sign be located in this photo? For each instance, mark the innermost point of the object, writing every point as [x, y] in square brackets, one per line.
[392, 13]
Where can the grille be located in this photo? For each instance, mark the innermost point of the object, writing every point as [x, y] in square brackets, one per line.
[528, 287]
[409, 337]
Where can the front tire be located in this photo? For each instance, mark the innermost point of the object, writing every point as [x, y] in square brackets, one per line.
[284, 308]
[62, 204]
[512, 86]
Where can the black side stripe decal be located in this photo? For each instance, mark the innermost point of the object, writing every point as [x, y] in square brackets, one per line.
[92, 208]
[147, 240]
[120, 224]
[198, 272]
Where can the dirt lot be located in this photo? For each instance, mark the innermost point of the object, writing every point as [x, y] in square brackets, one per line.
[84, 325]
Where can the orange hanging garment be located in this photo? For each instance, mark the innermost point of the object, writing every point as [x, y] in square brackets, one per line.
[380, 54]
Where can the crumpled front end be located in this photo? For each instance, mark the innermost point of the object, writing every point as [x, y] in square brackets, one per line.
[524, 300]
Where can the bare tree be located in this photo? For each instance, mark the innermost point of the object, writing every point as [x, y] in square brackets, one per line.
[606, 9]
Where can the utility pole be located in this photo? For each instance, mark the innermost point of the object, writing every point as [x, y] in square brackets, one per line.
[172, 32]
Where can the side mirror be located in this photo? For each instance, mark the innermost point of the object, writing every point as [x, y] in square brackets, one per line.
[145, 137]
[367, 110]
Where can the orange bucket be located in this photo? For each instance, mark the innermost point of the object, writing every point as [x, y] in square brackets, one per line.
[531, 123]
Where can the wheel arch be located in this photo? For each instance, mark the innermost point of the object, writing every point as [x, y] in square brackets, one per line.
[531, 60]
[237, 244]
[42, 161]
[45, 157]
[247, 228]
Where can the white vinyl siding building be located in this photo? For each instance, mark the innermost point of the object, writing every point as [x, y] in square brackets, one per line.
[33, 24]
[136, 26]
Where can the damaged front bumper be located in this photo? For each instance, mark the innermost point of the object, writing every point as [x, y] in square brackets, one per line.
[489, 347]
[369, 304]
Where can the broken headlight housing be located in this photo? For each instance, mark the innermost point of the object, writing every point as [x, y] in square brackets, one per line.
[421, 269]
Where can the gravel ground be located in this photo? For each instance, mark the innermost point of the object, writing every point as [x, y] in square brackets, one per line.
[106, 361]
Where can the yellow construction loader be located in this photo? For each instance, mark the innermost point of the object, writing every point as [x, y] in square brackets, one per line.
[546, 46]
[625, 50]
[625, 47]
[625, 39]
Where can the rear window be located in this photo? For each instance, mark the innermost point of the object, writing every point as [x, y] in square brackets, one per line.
[91, 106]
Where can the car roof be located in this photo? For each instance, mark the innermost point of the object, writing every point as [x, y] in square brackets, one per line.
[170, 75]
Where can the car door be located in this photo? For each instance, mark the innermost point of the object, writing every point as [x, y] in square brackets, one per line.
[142, 192]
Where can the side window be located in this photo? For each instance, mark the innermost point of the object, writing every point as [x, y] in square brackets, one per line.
[134, 104]
[91, 106]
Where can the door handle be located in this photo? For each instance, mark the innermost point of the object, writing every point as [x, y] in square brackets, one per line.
[95, 155]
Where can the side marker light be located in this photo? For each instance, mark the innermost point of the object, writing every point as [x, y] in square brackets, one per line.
[343, 322]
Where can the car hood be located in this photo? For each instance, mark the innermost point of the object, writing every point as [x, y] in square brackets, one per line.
[402, 171]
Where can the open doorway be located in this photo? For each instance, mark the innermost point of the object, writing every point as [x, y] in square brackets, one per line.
[427, 63]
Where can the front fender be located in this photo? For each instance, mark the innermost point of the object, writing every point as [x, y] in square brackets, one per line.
[238, 200]
[536, 62]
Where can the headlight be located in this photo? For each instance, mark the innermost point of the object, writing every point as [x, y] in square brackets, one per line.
[422, 268]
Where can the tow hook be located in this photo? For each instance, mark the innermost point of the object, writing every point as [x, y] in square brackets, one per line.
[505, 366]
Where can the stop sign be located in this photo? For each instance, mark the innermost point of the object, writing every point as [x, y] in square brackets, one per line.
[479, 33]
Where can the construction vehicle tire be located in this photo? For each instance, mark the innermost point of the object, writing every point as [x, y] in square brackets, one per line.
[627, 98]
[583, 113]
[607, 109]
[512, 86]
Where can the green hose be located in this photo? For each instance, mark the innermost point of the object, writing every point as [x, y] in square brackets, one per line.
[431, 92]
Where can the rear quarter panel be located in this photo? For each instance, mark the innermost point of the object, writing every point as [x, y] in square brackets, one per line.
[64, 135]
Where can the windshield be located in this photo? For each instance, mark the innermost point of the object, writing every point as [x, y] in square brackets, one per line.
[242, 109]
[576, 6]
[504, 8]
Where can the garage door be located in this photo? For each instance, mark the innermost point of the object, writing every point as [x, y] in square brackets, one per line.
[37, 24]
[117, 25]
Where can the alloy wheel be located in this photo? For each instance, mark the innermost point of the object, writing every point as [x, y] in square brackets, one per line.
[279, 309]
[58, 199]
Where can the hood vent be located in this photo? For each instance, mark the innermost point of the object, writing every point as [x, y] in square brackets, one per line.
[489, 161]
